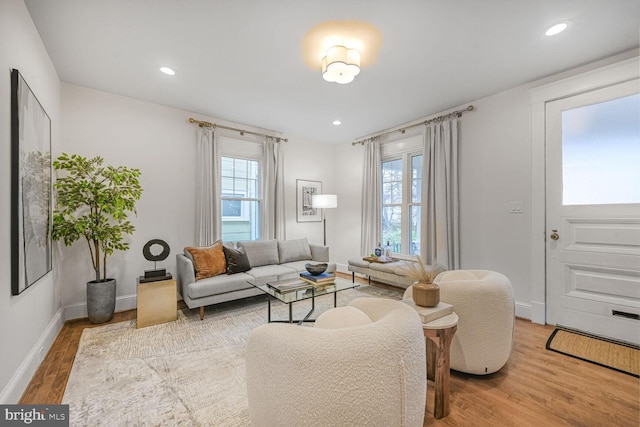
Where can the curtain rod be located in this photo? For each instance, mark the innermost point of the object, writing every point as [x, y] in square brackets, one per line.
[426, 122]
[241, 131]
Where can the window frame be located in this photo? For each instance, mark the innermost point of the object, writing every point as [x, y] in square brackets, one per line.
[405, 150]
[242, 149]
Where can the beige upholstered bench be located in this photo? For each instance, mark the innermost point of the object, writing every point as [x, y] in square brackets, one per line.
[392, 273]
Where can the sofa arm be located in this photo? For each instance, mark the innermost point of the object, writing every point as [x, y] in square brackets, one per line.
[186, 272]
[319, 253]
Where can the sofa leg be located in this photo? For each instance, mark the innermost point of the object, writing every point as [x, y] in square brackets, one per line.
[202, 313]
[353, 277]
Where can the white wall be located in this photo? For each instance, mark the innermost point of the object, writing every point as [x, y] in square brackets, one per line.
[346, 220]
[30, 321]
[495, 169]
[308, 160]
[161, 143]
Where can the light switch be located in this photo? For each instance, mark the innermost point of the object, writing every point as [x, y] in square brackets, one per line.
[516, 207]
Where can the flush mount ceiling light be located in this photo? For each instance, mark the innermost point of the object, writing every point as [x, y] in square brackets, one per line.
[168, 71]
[341, 48]
[557, 28]
[340, 65]
[337, 122]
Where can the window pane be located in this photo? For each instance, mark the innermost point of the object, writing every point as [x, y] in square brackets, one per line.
[227, 166]
[240, 218]
[240, 186]
[392, 227]
[601, 153]
[414, 231]
[416, 178]
[231, 208]
[392, 181]
[253, 188]
[243, 228]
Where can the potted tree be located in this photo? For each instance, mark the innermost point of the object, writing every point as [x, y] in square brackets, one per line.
[92, 203]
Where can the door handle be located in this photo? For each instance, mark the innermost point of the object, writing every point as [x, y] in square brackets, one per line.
[554, 235]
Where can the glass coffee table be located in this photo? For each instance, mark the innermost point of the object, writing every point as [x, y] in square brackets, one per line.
[294, 290]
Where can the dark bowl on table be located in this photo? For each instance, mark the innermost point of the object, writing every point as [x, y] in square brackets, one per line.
[316, 269]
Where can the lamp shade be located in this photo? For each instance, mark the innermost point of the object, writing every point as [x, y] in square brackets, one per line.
[324, 201]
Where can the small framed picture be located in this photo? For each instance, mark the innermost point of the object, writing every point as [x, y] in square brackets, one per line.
[304, 191]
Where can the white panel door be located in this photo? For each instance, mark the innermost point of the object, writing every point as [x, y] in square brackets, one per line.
[593, 212]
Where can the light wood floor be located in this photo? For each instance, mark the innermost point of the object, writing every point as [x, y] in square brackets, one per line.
[537, 387]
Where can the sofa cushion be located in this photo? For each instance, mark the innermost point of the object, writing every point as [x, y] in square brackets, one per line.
[359, 262]
[389, 267]
[271, 273]
[220, 284]
[261, 252]
[294, 250]
[237, 261]
[208, 261]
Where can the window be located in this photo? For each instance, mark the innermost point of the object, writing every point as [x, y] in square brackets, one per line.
[401, 202]
[240, 199]
[601, 153]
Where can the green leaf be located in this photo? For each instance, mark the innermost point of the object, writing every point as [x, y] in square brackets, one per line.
[93, 202]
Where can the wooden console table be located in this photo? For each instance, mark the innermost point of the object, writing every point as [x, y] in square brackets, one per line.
[439, 334]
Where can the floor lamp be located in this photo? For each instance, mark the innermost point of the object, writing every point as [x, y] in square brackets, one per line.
[324, 202]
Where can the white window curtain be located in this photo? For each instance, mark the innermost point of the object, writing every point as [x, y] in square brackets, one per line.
[440, 205]
[208, 205]
[273, 223]
[371, 197]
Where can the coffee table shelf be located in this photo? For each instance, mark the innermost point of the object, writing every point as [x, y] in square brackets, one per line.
[308, 292]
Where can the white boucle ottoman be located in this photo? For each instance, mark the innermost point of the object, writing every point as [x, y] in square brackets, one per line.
[484, 303]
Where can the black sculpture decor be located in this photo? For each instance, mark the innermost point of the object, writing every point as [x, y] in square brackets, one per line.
[155, 274]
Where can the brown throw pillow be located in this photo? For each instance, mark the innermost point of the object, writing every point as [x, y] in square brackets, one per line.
[209, 261]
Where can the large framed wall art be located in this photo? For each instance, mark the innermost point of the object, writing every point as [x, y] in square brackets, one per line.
[30, 187]
[304, 191]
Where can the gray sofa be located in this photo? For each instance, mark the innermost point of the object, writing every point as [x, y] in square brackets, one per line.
[270, 260]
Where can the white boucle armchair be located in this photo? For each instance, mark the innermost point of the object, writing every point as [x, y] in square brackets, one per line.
[484, 303]
[360, 365]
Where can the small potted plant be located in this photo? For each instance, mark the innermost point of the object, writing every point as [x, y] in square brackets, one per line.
[92, 203]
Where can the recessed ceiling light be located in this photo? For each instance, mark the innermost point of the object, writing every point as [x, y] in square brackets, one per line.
[557, 29]
[168, 71]
[337, 122]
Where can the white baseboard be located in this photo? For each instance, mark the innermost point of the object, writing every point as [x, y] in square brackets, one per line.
[523, 310]
[538, 312]
[20, 379]
[78, 311]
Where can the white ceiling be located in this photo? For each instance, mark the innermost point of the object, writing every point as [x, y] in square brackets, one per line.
[242, 60]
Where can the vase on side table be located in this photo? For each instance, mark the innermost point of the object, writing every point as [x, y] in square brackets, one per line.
[426, 294]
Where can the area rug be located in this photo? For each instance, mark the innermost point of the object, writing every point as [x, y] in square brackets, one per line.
[610, 354]
[183, 373]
